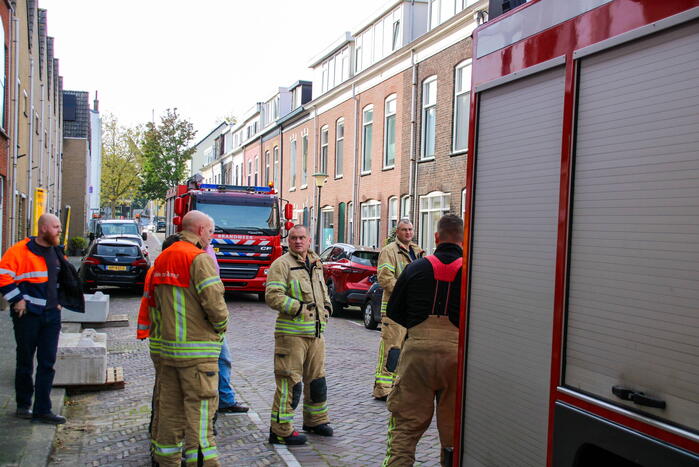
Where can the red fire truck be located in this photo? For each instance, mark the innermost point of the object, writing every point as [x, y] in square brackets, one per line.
[247, 232]
[580, 323]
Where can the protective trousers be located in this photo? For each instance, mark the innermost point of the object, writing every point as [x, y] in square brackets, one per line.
[186, 405]
[153, 426]
[299, 360]
[427, 371]
[392, 337]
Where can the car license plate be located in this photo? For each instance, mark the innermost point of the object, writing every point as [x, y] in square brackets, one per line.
[116, 268]
[216, 250]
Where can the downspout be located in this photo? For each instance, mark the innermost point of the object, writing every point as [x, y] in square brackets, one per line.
[30, 151]
[15, 131]
[355, 172]
[412, 176]
[316, 197]
[41, 144]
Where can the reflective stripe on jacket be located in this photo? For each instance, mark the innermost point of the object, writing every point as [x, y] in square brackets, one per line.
[301, 297]
[143, 323]
[187, 318]
[393, 258]
[24, 275]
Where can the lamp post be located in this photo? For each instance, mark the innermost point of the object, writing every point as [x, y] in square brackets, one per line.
[319, 178]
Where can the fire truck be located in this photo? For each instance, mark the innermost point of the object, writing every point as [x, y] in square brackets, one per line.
[247, 228]
[579, 337]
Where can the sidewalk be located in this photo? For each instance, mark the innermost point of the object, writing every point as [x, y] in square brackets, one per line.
[21, 442]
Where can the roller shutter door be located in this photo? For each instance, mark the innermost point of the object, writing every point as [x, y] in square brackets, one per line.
[633, 313]
[513, 268]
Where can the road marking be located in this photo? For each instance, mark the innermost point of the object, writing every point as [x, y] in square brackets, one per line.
[357, 324]
[283, 451]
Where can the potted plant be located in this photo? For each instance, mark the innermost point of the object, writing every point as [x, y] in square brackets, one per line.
[76, 246]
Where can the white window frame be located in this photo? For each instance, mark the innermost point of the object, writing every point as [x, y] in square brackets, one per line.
[428, 220]
[395, 35]
[324, 146]
[304, 159]
[464, 90]
[250, 172]
[326, 211]
[350, 222]
[463, 204]
[275, 170]
[339, 143]
[428, 105]
[370, 221]
[388, 114]
[293, 156]
[366, 156]
[267, 166]
[257, 169]
[405, 207]
[392, 213]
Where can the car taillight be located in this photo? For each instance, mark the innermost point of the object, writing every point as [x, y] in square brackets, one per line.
[140, 262]
[92, 260]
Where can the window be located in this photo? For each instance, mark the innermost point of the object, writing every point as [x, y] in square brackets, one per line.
[350, 222]
[257, 168]
[249, 173]
[367, 128]
[395, 40]
[392, 213]
[2, 88]
[339, 146]
[432, 207]
[463, 204]
[442, 10]
[292, 164]
[304, 160]
[370, 222]
[405, 206]
[324, 149]
[389, 144]
[462, 97]
[275, 170]
[358, 55]
[429, 114]
[266, 173]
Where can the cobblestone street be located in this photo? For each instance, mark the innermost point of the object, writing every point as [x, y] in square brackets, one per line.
[110, 427]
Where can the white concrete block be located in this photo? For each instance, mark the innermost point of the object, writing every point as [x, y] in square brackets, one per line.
[81, 358]
[96, 310]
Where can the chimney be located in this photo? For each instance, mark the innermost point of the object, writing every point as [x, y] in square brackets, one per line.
[96, 103]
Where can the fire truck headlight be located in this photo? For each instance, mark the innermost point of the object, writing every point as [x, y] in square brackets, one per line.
[265, 271]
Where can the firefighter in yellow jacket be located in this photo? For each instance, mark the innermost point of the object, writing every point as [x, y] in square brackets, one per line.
[393, 259]
[188, 317]
[296, 289]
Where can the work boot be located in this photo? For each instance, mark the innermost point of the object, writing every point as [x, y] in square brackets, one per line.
[323, 429]
[293, 439]
[24, 412]
[235, 408]
[49, 418]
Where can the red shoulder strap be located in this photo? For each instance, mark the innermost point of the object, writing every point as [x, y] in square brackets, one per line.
[444, 272]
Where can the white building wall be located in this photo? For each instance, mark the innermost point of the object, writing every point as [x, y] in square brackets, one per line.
[95, 172]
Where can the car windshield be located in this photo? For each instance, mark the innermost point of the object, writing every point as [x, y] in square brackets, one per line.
[243, 218]
[367, 258]
[119, 228]
[116, 250]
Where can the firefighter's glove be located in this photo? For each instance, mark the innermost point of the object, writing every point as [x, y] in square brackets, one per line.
[328, 309]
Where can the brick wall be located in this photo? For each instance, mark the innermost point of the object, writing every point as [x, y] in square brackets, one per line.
[75, 158]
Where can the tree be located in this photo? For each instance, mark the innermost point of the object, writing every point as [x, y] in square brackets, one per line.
[165, 153]
[120, 163]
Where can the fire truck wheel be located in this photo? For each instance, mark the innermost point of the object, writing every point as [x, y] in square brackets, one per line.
[261, 296]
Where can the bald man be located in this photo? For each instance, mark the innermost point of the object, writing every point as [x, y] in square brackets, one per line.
[186, 301]
[37, 281]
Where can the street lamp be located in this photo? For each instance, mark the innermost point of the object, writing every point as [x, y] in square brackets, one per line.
[320, 178]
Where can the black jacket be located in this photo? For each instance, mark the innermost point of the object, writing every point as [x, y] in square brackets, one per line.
[412, 298]
[70, 291]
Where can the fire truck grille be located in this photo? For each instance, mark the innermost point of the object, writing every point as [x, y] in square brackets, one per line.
[225, 248]
[238, 271]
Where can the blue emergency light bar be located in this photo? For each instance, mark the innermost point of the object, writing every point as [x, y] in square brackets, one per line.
[256, 189]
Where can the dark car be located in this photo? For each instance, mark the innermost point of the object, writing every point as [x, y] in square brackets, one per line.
[126, 229]
[160, 227]
[113, 261]
[347, 269]
[371, 310]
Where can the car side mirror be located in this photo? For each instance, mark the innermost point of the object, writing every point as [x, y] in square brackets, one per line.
[144, 236]
[372, 279]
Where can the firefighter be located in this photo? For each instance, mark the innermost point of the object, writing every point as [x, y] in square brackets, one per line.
[426, 301]
[393, 259]
[296, 289]
[189, 316]
[37, 281]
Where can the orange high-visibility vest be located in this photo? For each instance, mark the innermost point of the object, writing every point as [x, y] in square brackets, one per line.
[24, 275]
[143, 326]
[172, 267]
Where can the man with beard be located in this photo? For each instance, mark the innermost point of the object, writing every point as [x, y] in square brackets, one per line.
[37, 281]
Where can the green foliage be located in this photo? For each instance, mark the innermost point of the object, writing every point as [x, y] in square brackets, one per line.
[391, 237]
[77, 244]
[165, 153]
[120, 162]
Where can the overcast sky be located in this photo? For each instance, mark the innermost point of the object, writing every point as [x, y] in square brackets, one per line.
[208, 58]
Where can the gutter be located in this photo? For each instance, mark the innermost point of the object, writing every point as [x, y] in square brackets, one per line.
[413, 174]
[15, 131]
[355, 172]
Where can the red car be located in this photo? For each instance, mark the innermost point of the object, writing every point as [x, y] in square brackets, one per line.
[347, 269]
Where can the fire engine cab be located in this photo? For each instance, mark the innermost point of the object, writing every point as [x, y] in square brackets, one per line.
[580, 322]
